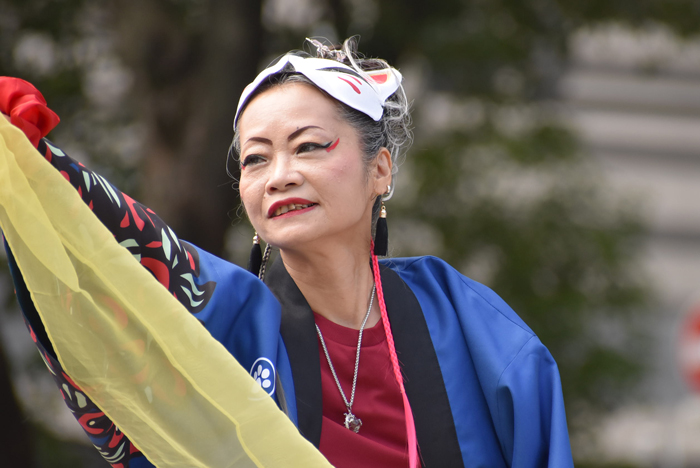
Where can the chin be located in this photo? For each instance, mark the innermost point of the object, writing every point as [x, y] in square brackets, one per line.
[293, 239]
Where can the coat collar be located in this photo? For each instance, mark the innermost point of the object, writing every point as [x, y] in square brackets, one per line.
[299, 336]
[425, 387]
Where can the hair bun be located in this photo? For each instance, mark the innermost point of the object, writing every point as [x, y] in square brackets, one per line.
[325, 52]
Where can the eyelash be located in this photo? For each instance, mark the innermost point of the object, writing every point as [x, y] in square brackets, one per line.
[251, 159]
[312, 146]
[302, 148]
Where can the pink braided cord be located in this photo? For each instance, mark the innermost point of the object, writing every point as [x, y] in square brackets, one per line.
[410, 424]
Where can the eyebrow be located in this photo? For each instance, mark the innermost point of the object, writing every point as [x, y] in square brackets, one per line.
[300, 131]
[292, 136]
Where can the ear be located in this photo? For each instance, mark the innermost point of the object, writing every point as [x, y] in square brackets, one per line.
[382, 171]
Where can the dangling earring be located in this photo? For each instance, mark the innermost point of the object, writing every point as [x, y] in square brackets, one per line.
[381, 234]
[266, 257]
[255, 259]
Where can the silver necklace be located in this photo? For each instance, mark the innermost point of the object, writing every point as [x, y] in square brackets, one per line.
[352, 422]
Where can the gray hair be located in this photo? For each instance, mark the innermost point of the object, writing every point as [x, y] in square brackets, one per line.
[392, 131]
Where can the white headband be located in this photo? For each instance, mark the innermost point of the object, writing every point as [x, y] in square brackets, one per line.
[366, 92]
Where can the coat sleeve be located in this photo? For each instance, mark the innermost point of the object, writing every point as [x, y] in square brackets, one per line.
[114, 446]
[175, 264]
[531, 417]
[140, 355]
[502, 383]
[99, 307]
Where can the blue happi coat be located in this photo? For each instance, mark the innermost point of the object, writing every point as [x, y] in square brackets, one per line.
[483, 389]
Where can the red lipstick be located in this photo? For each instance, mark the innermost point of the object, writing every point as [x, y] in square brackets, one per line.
[289, 201]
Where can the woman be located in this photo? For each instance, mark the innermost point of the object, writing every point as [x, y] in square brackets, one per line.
[386, 364]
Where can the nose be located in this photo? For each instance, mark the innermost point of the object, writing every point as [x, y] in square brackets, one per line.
[283, 175]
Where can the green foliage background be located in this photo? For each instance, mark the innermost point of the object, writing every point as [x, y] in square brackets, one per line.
[498, 186]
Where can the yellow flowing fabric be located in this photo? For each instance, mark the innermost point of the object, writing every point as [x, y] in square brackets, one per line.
[176, 392]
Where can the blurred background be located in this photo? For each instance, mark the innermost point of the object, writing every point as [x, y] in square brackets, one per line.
[556, 159]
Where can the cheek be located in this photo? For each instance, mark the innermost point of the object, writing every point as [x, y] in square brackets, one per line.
[249, 195]
[349, 185]
[342, 172]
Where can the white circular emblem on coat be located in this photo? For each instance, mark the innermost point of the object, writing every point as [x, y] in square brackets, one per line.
[263, 372]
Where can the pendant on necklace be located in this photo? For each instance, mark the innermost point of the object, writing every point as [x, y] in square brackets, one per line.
[352, 422]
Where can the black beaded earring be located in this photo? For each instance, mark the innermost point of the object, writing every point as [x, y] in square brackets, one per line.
[255, 259]
[381, 234]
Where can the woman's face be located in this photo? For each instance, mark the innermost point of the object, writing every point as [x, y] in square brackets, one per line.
[303, 179]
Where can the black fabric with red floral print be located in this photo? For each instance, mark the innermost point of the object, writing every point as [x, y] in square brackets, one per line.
[174, 263]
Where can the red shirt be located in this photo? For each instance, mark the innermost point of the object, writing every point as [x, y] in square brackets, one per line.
[381, 441]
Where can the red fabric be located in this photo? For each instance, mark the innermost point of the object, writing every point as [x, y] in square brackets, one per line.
[381, 441]
[27, 108]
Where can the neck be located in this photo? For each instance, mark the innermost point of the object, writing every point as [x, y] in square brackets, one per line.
[336, 282]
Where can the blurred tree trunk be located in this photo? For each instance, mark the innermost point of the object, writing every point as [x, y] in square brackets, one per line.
[15, 443]
[190, 70]
[341, 19]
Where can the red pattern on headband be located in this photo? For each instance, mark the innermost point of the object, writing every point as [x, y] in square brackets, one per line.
[379, 78]
[357, 90]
